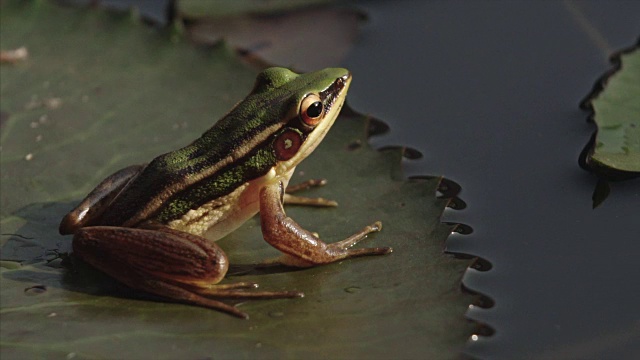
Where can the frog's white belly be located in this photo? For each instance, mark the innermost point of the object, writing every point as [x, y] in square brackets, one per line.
[221, 216]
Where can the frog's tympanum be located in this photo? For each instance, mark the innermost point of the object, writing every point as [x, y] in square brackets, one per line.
[154, 226]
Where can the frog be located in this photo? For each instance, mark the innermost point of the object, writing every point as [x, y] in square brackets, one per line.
[154, 226]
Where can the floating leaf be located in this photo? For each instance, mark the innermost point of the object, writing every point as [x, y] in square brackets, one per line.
[615, 102]
[223, 8]
[286, 33]
[99, 92]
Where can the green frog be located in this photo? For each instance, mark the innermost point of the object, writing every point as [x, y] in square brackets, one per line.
[153, 227]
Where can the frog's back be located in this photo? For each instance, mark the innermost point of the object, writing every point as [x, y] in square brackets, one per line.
[209, 160]
[235, 150]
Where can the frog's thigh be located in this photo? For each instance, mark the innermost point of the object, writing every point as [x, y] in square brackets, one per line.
[166, 262]
[301, 247]
[155, 250]
[98, 199]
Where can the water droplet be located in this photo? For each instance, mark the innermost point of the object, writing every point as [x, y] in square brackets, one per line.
[35, 290]
[375, 127]
[460, 228]
[53, 103]
[481, 264]
[352, 289]
[354, 145]
[259, 345]
[456, 203]
[276, 314]
[448, 188]
[411, 153]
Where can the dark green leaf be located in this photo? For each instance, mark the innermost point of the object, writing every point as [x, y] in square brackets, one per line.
[224, 8]
[124, 94]
[616, 111]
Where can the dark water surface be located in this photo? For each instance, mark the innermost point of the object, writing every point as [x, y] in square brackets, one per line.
[489, 92]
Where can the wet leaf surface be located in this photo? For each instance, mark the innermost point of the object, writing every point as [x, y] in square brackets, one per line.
[125, 94]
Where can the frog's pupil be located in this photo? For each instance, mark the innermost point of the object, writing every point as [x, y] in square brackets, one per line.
[314, 110]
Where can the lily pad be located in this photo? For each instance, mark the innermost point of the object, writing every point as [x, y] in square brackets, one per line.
[615, 102]
[100, 91]
[285, 38]
[224, 8]
[284, 33]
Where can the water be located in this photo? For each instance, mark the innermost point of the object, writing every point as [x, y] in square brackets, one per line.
[489, 93]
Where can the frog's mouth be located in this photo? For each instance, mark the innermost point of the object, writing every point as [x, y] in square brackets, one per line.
[330, 94]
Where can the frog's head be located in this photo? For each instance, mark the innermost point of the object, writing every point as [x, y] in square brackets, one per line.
[307, 106]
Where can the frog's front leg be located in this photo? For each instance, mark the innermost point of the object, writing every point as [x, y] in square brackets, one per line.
[166, 262]
[302, 248]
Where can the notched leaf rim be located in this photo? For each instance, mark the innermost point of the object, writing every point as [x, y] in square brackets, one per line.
[448, 190]
[584, 160]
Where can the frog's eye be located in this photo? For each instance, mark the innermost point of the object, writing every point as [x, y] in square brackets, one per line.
[311, 110]
[287, 144]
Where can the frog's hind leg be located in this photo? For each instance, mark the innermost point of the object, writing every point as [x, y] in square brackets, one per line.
[168, 263]
[206, 296]
[180, 294]
[98, 200]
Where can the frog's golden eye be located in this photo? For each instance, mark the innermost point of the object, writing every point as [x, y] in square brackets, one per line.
[311, 110]
[287, 144]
